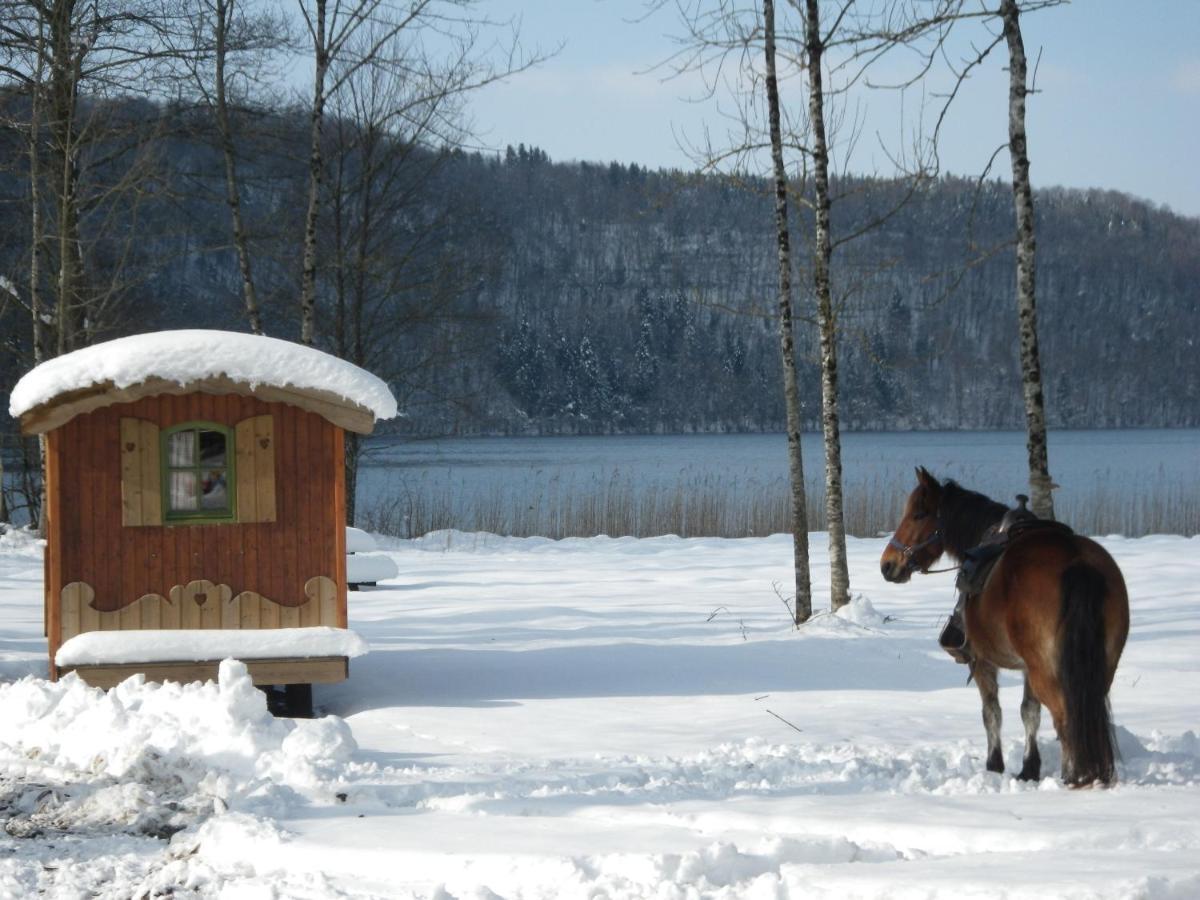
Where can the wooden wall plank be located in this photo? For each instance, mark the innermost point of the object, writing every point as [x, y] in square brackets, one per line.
[84, 564]
[151, 471]
[89, 618]
[73, 598]
[268, 613]
[129, 617]
[247, 496]
[250, 604]
[53, 517]
[152, 610]
[184, 596]
[172, 613]
[132, 507]
[265, 454]
[309, 615]
[339, 516]
[307, 512]
[322, 592]
[290, 475]
[101, 568]
[231, 613]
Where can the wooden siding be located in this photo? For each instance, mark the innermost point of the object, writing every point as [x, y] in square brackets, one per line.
[88, 543]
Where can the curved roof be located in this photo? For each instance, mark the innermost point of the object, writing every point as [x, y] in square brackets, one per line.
[176, 362]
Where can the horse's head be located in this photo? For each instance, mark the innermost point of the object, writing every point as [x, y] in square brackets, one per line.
[917, 543]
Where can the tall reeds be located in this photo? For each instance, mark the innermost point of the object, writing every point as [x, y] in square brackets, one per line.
[711, 506]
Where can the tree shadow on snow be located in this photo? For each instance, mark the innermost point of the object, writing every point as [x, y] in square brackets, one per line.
[481, 678]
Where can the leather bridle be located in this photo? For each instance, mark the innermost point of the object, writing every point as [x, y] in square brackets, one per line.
[909, 551]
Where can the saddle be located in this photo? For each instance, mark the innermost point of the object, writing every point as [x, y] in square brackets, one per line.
[978, 563]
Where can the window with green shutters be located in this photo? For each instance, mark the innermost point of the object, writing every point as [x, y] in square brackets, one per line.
[198, 471]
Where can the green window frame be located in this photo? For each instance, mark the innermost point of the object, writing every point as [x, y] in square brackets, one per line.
[199, 480]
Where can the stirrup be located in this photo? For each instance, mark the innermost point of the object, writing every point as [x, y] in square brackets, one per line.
[954, 641]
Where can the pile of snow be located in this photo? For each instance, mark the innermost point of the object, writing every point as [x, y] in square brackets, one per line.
[195, 354]
[195, 645]
[359, 541]
[370, 568]
[363, 564]
[150, 759]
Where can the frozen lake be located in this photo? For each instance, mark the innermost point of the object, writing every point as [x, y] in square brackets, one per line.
[1132, 481]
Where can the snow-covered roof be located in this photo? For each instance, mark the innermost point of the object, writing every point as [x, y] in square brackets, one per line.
[191, 356]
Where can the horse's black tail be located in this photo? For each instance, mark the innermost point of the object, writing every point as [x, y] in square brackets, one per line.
[1083, 675]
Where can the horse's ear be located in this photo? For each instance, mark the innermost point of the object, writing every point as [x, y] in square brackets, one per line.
[926, 480]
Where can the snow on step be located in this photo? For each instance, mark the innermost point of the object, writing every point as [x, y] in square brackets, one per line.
[196, 645]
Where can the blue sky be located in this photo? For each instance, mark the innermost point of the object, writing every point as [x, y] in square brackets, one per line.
[1119, 106]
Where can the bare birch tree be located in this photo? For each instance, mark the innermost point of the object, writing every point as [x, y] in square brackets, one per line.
[347, 37]
[802, 605]
[227, 49]
[70, 57]
[391, 293]
[1040, 484]
[721, 27]
[917, 22]
[822, 255]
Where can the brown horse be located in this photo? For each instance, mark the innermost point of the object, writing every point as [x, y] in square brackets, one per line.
[1054, 606]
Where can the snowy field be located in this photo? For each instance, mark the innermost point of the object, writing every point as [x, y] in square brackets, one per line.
[602, 718]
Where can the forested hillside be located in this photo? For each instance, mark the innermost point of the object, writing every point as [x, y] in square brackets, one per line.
[514, 294]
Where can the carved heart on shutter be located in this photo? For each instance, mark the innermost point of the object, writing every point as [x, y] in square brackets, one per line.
[255, 440]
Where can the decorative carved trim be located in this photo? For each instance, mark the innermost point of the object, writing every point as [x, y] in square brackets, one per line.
[198, 604]
[322, 594]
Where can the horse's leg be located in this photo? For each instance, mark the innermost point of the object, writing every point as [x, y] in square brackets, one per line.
[1046, 686]
[1031, 716]
[989, 692]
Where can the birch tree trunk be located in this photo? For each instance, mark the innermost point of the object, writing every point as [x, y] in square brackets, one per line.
[791, 389]
[223, 12]
[40, 343]
[1040, 484]
[70, 314]
[839, 571]
[308, 283]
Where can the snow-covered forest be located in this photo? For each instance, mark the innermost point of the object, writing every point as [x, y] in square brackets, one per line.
[513, 294]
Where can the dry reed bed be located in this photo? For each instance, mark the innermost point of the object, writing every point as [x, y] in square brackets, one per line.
[712, 507]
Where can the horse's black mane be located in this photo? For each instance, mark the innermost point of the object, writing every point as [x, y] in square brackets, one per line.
[965, 516]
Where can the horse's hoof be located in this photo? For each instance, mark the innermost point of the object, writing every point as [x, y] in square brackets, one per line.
[995, 763]
[1028, 774]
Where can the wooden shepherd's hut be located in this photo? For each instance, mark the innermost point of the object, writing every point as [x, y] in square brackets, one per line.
[195, 505]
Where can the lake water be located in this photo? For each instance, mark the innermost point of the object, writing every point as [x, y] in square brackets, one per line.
[1127, 481]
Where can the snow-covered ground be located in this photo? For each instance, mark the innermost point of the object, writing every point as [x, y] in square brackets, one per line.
[602, 718]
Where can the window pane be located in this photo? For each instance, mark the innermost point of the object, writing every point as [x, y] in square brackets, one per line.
[183, 489]
[181, 449]
[212, 448]
[213, 491]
